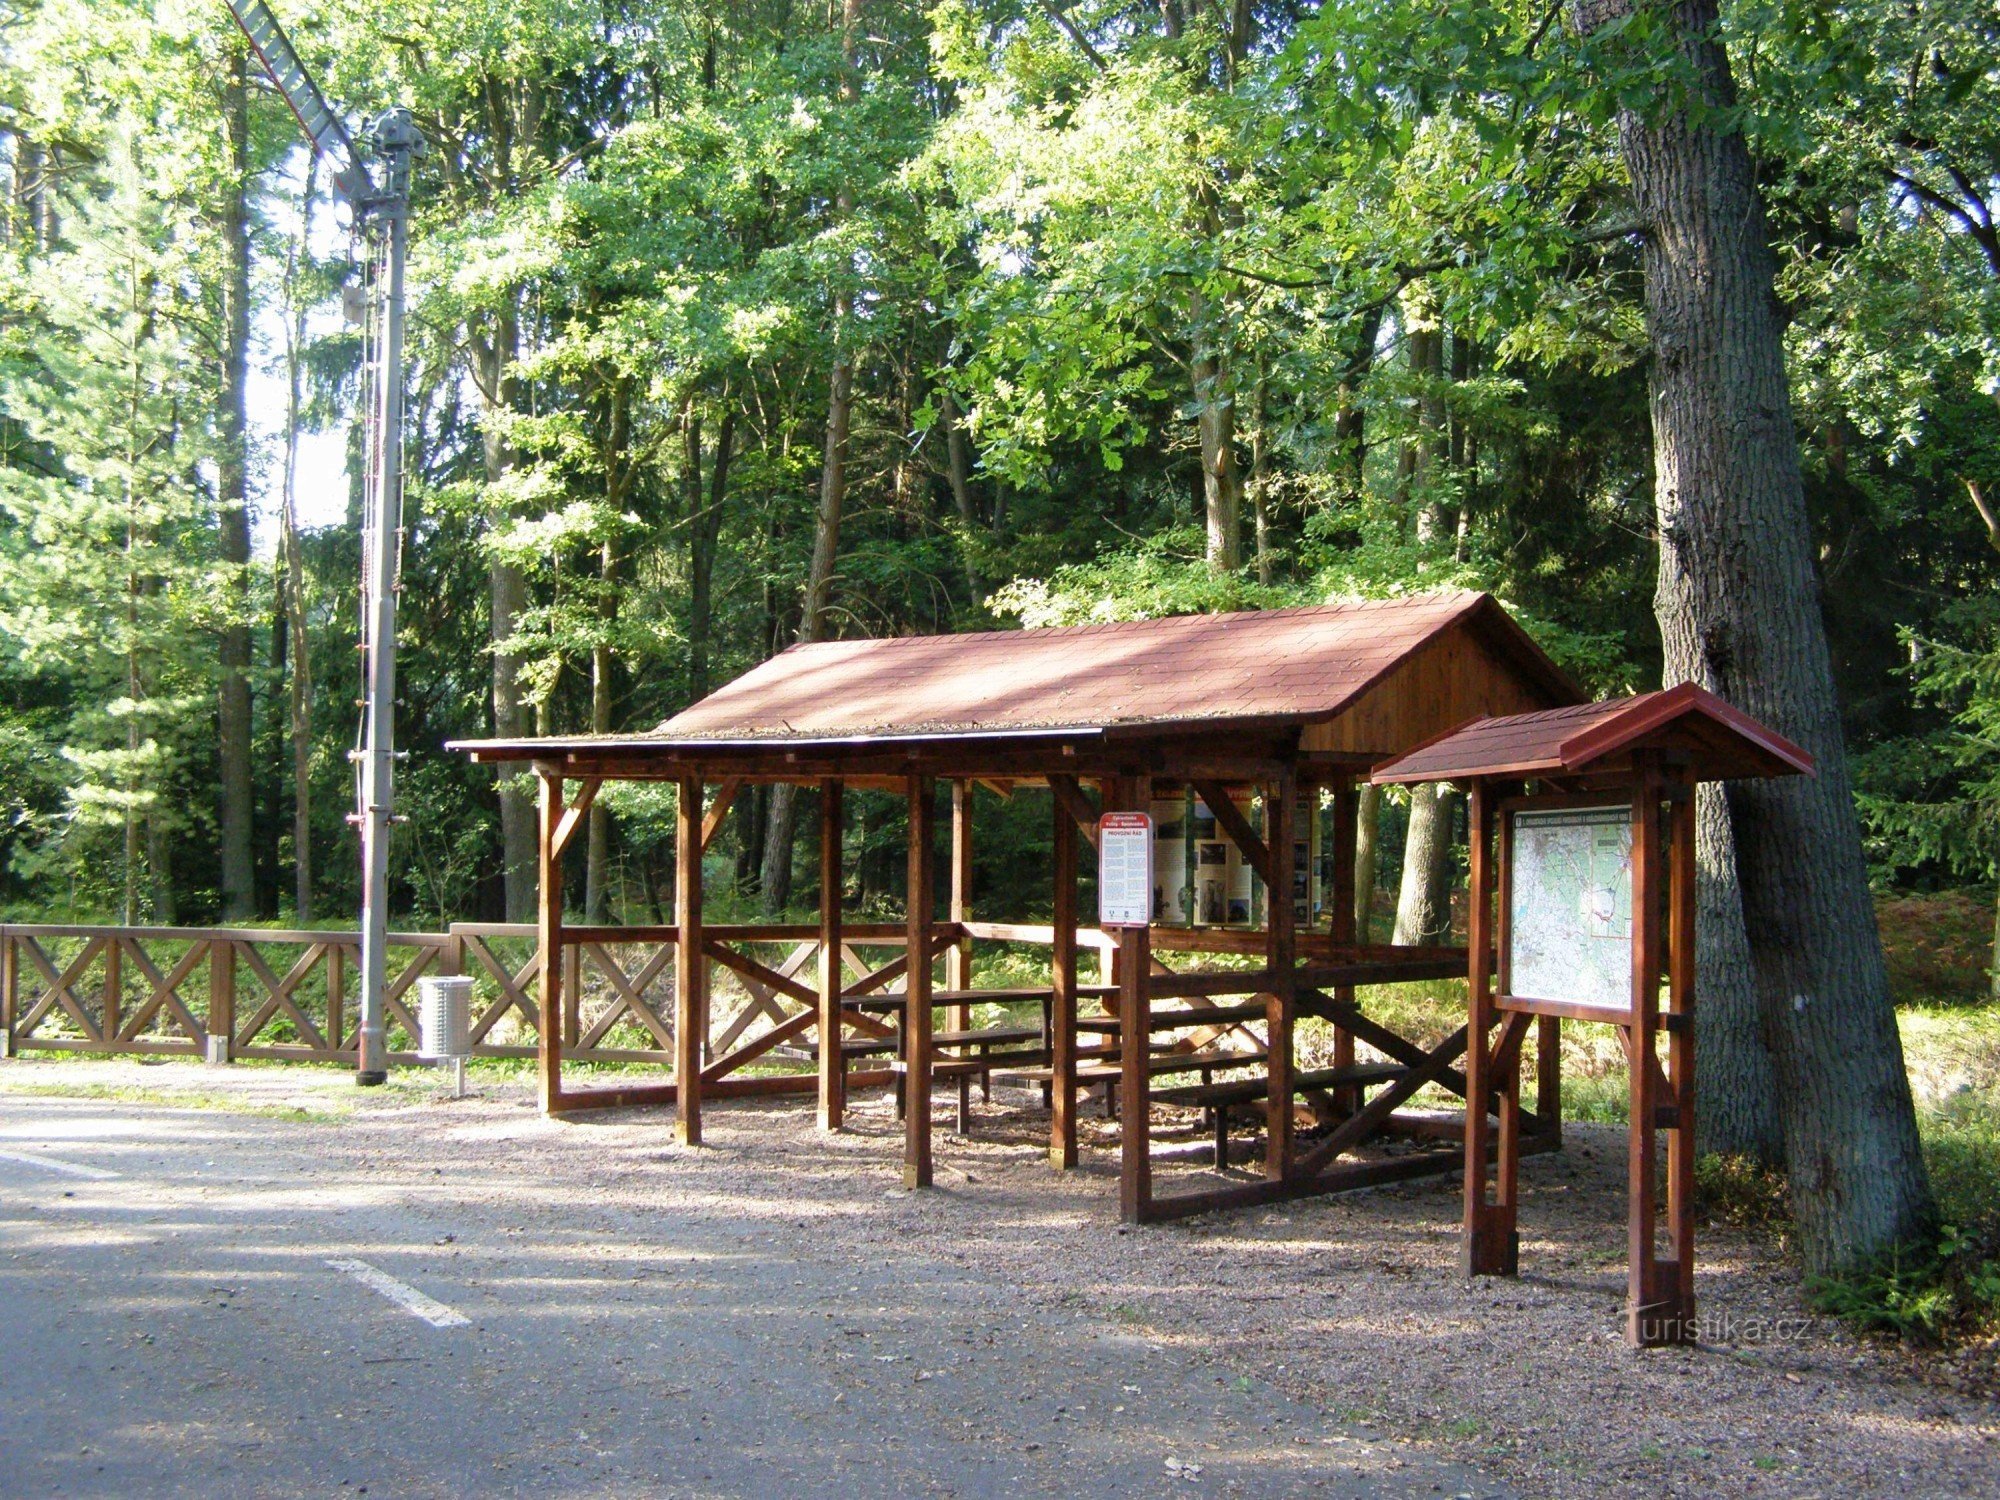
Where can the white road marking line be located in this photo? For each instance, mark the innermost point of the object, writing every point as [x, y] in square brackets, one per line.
[56, 1164]
[408, 1298]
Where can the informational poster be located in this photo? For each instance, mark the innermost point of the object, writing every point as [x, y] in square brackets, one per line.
[1570, 920]
[1124, 870]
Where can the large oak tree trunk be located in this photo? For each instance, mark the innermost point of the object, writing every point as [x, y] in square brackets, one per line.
[238, 866]
[1739, 1097]
[1738, 604]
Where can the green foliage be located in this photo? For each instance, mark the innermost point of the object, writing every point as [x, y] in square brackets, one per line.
[1075, 274]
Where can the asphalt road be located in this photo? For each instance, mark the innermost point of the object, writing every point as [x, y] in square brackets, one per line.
[202, 1302]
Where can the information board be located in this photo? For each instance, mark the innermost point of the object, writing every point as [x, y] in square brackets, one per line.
[1570, 920]
[1124, 870]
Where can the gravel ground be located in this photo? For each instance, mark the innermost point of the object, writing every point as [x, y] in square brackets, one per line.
[1352, 1306]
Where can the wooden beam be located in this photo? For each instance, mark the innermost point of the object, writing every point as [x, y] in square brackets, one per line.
[1282, 958]
[718, 810]
[690, 966]
[958, 959]
[575, 813]
[1134, 978]
[1232, 822]
[832, 1062]
[1341, 923]
[1069, 795]
[1490, 1246]
[1681, 878]
[1062, 1010]
[750, 1051]
[1359, 1127]
[764, 974]
[917, 1019]
[1643, 1302]
[548, 928]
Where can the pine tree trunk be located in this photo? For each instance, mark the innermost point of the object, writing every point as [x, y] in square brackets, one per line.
[238, 866]
[958, 470]
[780, 822]
[299, 687]
[1260, 482]
[704, 532]
[508, 596]
[1738, 604]
[1423, 905]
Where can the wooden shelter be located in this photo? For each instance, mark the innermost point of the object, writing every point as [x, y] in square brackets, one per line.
[1292, 707]
[1582, 905]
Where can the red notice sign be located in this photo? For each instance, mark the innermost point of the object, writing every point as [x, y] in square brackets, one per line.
[1124, 870]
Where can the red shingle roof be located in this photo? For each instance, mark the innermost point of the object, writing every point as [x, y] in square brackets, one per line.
[1299, 664]
[1725, 741]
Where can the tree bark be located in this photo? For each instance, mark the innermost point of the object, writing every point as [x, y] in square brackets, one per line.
[1367, 820]
[1739, 1095]
[299, 686]
[779, 827]
[704, 532]
[1738, 604]
[508, 595]
[238, 866]
[1221, 481]
[958, 471]
[1427, 447]
[1423, 905]
[1260, 481]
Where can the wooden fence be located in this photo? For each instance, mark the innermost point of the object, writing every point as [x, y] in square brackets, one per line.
[226, 993]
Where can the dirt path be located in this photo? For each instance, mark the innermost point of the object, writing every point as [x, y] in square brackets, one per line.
[778, 1298]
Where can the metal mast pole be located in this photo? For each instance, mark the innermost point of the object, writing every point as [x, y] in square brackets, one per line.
[395, 141]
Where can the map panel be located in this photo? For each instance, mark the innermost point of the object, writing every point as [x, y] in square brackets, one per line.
[1570, 926]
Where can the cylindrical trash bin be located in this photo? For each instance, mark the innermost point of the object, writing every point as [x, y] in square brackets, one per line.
[444, 1023]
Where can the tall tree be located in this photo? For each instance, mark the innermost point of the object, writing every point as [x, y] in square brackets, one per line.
[232, 424]
[1739, 610]
[813, 616]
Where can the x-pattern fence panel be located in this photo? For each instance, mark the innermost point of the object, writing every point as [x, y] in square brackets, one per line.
[292, 995]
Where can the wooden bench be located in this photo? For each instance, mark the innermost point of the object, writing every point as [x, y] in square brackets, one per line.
[1217, 1098]
[1101, 1065]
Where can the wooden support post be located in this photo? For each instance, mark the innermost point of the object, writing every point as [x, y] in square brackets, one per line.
[1651, 1306]
[572, 990]
[958, 958]
[1340, 924]
[10, 991]
[549, 923]
[1135, 1035]
[1491, 1246]
[1281, 953]
[690, 968]
[336, 996]
[832, 1062]
[1677, 1323]
[114, 986]
[1062, 1010]
[917, 991]
[221, 1001]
